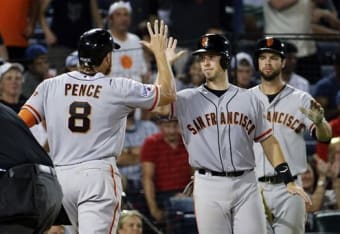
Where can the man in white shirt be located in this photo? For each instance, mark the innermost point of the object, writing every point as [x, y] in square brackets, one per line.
[129, 62]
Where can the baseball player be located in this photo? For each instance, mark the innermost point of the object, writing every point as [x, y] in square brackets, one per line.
[219, 123]
[290, 112]
[85, 113]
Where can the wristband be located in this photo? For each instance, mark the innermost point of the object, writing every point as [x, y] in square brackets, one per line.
[284, 172]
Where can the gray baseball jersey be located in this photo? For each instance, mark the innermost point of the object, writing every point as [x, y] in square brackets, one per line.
[219, 132]
[288, 125]
[86, 116]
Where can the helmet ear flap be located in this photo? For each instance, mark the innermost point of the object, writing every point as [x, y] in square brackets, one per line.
[225, 61]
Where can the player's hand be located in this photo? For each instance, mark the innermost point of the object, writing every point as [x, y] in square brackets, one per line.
[170, 51]
[158, 37]
[315, 113]
[297, 190]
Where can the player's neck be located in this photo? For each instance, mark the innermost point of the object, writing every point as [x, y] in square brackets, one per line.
[219, 83]
[271, 87]
[120, 35]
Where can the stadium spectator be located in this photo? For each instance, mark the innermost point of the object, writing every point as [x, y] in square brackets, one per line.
[288, 72]
[325, 90]
[11, 79]
[129, 61]
[17, 23]
[130, 222]
[68, 21]
[192, 77]
[165, 167]
[242, 70]
[322, 147]
[37, 68]
[285, 16]
[71, 62]
[129, 161]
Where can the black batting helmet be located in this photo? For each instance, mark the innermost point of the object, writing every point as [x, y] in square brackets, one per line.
[269, 44]
[94, 45]
[216, 43]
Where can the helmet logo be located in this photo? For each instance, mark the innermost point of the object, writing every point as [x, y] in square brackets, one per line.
[269, 41]
[204, 42]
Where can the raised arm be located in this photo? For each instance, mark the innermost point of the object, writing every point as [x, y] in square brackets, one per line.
[165, 78]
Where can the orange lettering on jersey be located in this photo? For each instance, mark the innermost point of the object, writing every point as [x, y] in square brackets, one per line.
[208, 119]
[229, 117]
[290, 120]
[192, 129]
[274, 117]
[97, 91]
[281, 117]
[300, 127]
[213, 118]
[222, 119]
[236, 114]
[83, 90]
[200, 122]
[67, 88]
[90, 90]
[75, 89]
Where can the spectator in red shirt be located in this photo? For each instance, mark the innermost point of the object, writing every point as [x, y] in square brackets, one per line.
[322, 148]
[165, 167]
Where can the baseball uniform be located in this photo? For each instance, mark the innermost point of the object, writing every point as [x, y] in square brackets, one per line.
[85, 120]
[218, 133]
[288, 124]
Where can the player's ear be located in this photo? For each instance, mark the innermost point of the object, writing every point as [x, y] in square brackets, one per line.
[283, 63]
[108, 58]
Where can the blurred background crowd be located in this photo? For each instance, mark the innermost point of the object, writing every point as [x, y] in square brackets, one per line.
[38, 40]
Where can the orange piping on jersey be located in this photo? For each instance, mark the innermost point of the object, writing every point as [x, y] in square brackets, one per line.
[263, 134]
[33, 111]
[156, 99]
[117, 203]
[27, 117]
[311, 128]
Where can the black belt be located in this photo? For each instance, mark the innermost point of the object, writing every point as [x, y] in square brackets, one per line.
[222, 173]
[275, 179]
[38, 168]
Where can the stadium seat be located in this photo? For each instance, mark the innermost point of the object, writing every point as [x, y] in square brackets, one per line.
[181, 215]
[327, 221]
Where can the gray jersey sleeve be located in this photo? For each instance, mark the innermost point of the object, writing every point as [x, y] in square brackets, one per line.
[135, 94]
[263, 129]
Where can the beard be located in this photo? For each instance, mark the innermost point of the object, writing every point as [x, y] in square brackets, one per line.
[270, 77]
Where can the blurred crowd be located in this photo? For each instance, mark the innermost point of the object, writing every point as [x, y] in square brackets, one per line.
[38, 40]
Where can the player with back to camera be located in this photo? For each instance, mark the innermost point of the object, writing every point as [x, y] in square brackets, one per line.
[85, 113]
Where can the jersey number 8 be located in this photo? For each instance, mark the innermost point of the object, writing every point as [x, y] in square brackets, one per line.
[79, 117]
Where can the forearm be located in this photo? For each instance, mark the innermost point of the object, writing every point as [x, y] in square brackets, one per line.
[95, 14]
[127, 158]
[150, 193]
[273, 151]
[318, 195]
[165, 80]
[323, 131]
[41, 16]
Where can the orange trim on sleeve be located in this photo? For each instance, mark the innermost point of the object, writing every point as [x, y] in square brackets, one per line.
[264, 134]
[33, 111]
[156, 99]
[27, 117]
